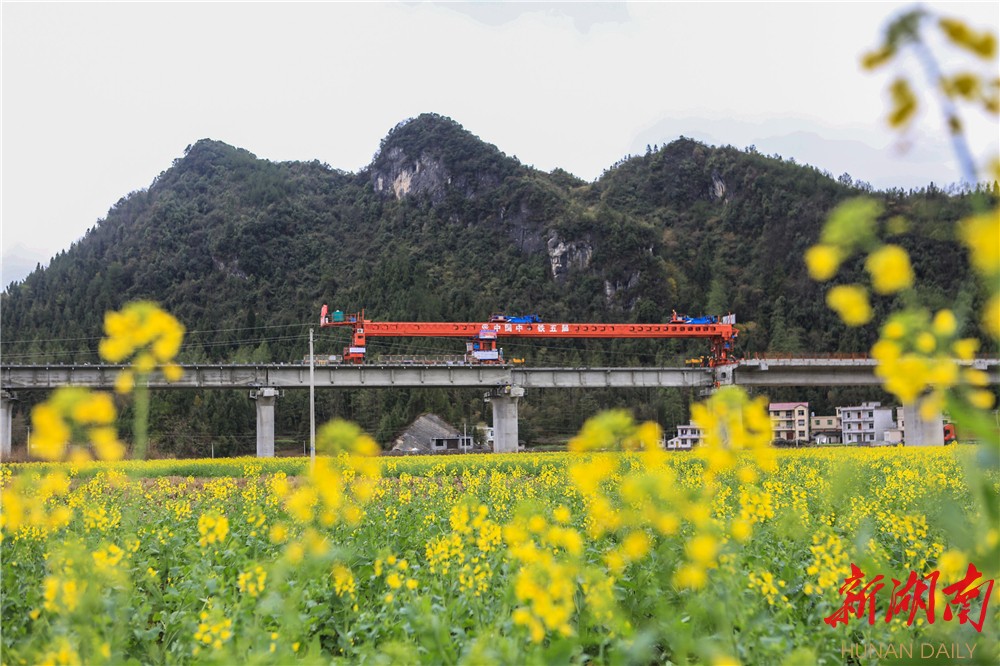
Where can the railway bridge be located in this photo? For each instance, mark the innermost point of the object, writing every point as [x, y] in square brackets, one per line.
[504, 384]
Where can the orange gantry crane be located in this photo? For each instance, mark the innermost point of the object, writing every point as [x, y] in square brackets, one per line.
[481, 337]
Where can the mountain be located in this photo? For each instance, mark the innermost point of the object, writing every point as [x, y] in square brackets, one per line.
[17, 262]
[442, 226]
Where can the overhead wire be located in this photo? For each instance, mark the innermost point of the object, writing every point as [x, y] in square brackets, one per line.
[186, 333]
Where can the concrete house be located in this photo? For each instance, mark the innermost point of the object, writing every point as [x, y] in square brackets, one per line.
[866, 423]
[790, 420]
[688, 436]
[826, 429]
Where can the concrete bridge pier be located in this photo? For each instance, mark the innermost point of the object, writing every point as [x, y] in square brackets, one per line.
[918, 431]
[6, 417]
[265, 397]
[504, 402]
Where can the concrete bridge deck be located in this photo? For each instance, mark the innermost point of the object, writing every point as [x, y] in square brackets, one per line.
[750, 372]
[359, 376]
[505, 383]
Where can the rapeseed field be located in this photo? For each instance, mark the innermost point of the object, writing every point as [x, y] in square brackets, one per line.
[629, 555]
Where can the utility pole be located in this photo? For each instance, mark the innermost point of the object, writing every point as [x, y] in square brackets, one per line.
[312, 403]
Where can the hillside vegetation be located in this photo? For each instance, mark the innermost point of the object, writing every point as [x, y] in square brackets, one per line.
[442, 226]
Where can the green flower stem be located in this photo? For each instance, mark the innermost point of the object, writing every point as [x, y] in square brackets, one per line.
[959, 144]
[141, 423]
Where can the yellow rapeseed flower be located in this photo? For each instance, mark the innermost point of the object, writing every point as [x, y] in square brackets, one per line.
[981, 399]
[94, 408]
[731, 421]
[823, 261]
[904, 103]
[125, 381]
[852, 223]
[667, 524]
[144, 363]
[172, 372]
[890, 269]
[951, 564]
[252, 582]
[963, 84]
[50, 434]
[339, 435]
[647, 437]
[991, 316]
[983, 44]
[966, 348]
[725, 660]
[343, 581]
[213, 529]
[636, 545]
[975, 377]
[702, 549]
[62, 654]
[873, 59]
[925, 342]
[147, 333]
[850, 302]
[945, 323]
[746, 474]
[301, 503]
[606, 431]
[741, 530]
[981, 234]
[690, 576]
[75, 414]
[107, 558]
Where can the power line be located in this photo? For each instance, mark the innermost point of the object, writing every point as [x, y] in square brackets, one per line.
[188, 346]
[187, 333]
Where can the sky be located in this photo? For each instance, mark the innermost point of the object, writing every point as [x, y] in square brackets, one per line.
[97, 99]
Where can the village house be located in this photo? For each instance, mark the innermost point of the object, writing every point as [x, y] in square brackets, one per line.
[429, 433]
[866, 423]
[790, 420]
[826, 429]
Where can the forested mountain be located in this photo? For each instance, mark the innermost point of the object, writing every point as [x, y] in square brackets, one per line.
[442, 226]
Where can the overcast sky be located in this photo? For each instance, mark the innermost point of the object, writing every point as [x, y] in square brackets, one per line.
[99, 98]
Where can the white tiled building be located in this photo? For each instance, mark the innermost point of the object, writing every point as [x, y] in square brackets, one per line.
[866, 423]
[688, 436]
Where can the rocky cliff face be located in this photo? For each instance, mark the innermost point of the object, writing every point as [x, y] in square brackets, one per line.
[432, 155]
[718, 190]
[611, 290]
[434, 158]
[565, 256]
[401, 175]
